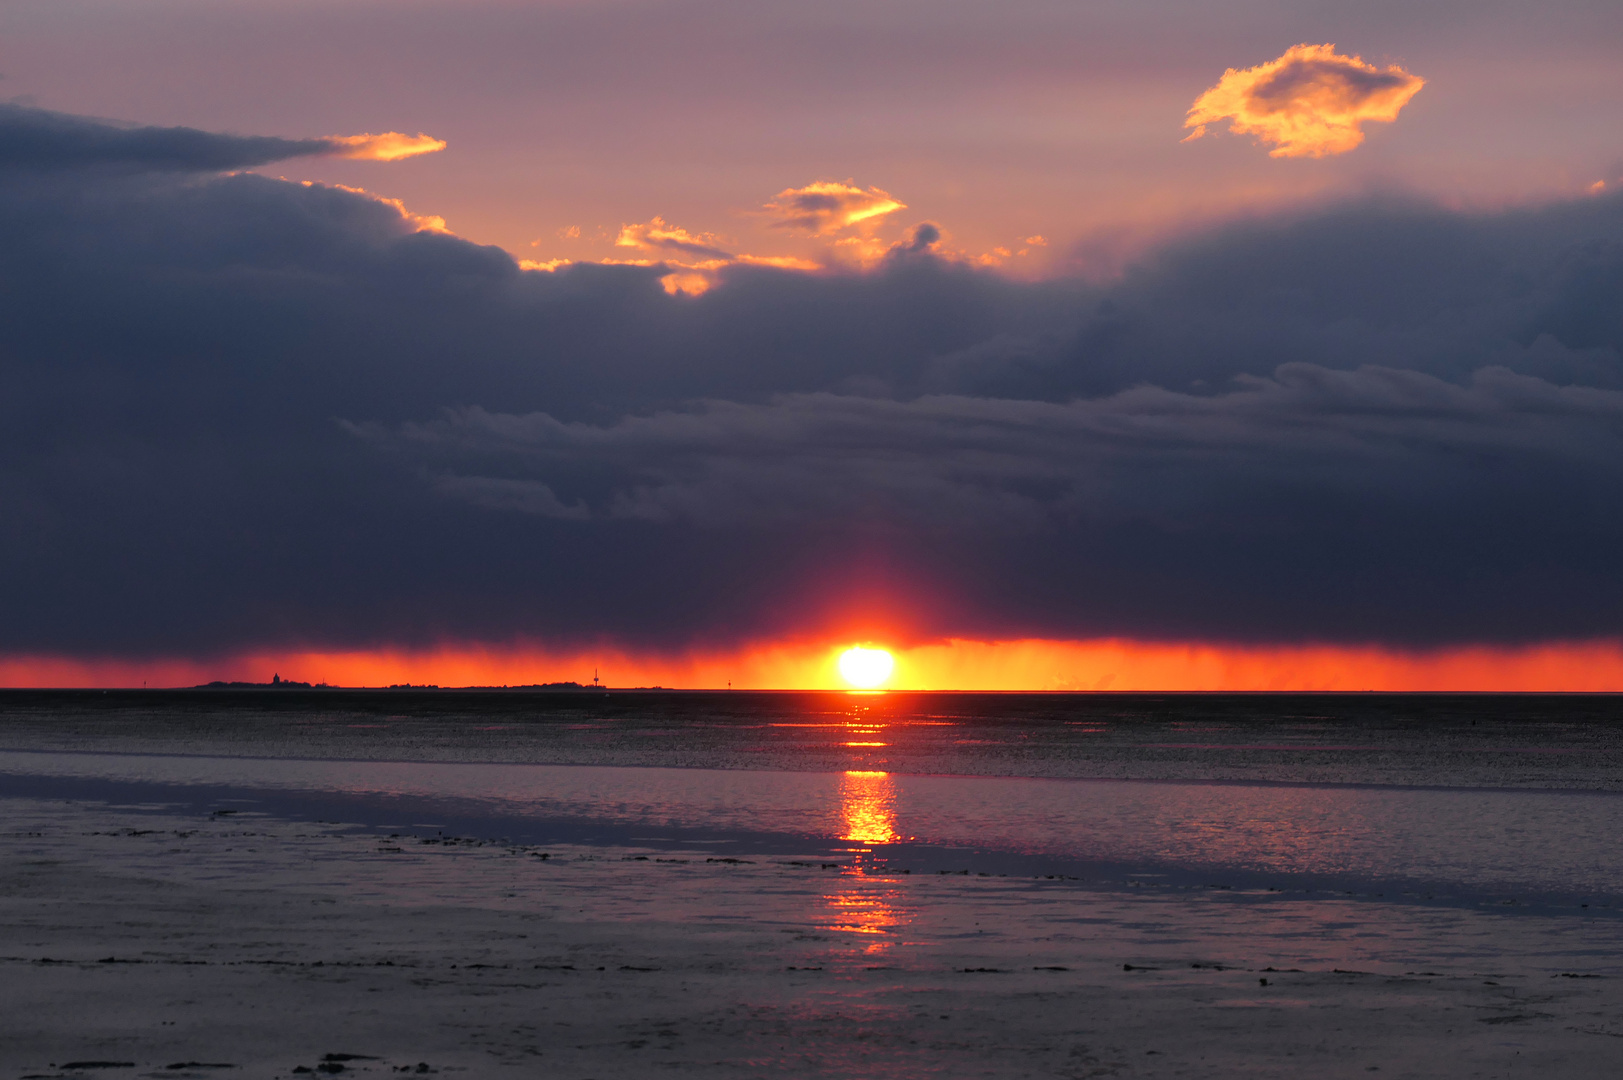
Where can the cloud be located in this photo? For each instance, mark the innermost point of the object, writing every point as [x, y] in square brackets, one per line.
[38, 139]
[694, 260]
[389, 146]
[920, 238]
[828, 206]
[497, 493]
[419, 222]
[657, 236]
[960, 460]
[35, 139]
[244, 412]
[781, 262]
[1311, 102]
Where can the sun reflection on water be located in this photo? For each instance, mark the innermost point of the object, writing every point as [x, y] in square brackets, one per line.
[862, 729]
[866, 903]
[868, 807]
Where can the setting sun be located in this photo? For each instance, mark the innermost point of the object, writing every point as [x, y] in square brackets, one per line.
[866, 668]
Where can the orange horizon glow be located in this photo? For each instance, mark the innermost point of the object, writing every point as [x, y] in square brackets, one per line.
[957, 664]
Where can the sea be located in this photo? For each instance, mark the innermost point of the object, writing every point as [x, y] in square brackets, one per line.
[1507, 802]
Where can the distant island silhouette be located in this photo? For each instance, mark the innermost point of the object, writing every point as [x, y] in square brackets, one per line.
[276, 683]
[279, 683]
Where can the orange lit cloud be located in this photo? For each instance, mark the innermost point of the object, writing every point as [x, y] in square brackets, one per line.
[1104, 664]
[684, 279]
[693, 258]
[389, 146]
[829, 206]
[697, 278]
[696, 259]
[780, 262]
[1311, 102]
[656, 235]
[686, 282]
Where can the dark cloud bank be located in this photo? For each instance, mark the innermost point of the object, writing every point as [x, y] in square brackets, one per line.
[39, 139]
[244, 412]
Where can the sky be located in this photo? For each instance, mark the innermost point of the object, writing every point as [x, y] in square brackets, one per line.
[1071, 345]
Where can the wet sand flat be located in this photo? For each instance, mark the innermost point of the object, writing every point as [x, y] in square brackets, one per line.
[181, 946]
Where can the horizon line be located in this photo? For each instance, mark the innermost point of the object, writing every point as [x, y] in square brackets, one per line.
[542, 688]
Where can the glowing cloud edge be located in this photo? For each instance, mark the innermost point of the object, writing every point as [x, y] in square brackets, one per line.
[385, 146]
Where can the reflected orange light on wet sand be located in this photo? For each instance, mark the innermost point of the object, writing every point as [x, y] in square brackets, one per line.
[870, 909]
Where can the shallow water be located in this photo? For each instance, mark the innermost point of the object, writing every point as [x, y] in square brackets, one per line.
[1479, 798]
[1454, 740]
[1275, 879]
[1531, 846]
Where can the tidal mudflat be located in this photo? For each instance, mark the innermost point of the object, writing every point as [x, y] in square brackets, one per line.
[163, 941]
[191, 914]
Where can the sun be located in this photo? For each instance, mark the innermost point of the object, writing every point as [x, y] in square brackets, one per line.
[866, 668]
